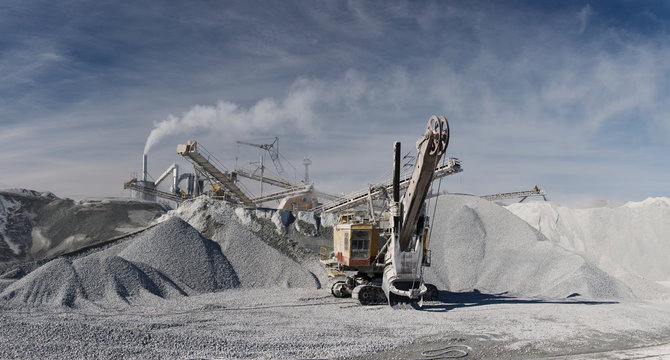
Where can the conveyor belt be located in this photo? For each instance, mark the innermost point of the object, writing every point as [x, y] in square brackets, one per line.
[133, 185]
[453, 166]
[202, 164]
[536, 191]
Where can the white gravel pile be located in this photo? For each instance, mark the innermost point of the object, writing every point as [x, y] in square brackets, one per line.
[256, 263]
[476, 244]
[181, 253]
[631, 242]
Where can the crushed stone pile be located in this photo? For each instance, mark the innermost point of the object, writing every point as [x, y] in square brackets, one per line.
[208, 245]
[476, 244]
[108, 281]
[260, 255]
[115, 279]
[630, 241]
[39, 225]
[180, 252]
[172, 259]
[55, 283]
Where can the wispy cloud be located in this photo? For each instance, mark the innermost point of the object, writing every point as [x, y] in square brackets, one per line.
[583, 16]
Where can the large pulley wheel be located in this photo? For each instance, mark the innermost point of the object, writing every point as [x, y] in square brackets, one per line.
[438, 128]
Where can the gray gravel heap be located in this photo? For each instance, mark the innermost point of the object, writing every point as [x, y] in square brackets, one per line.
[55, 283]
[180, 252]
[116, 280]
[107, 281]
[476, 244]
[171, 260]
[257, 263]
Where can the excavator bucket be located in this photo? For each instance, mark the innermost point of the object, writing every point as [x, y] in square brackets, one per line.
[403, 293]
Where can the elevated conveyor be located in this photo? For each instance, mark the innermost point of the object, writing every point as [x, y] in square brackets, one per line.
[282, 194]
[536, 191]
[136, 186]
[453, 166]
[265, 179]
[194, 154]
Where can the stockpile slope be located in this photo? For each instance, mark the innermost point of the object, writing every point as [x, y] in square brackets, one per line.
[171, 260]
[260, 255]
[35, 226]
[476, 244]
[180, 252]
[631, 242]
[54, 283]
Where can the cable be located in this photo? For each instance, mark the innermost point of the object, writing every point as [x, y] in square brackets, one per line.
[432, 218]
[447, 352]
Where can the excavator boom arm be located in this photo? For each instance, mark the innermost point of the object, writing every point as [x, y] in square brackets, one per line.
[430, 147]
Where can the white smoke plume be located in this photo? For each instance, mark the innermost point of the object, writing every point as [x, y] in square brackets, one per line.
[295, 111]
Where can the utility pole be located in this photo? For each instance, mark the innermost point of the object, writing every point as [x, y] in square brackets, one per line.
[307, 162]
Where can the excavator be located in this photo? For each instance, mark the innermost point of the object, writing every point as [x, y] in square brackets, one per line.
[381, 260]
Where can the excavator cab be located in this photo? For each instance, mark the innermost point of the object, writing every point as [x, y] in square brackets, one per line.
[356, 241]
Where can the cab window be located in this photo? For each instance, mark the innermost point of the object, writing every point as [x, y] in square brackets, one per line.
[360, 243]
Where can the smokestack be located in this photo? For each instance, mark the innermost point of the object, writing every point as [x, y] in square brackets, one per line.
[175, 177]
[144, 167]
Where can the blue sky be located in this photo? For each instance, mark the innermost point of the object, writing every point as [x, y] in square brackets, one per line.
[570, 95]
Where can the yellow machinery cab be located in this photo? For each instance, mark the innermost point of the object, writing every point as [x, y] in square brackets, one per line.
[355, 241]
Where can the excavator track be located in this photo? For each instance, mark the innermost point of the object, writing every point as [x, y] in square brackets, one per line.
[369, 295]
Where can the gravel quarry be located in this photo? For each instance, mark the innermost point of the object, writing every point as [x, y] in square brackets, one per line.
[210, 280]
